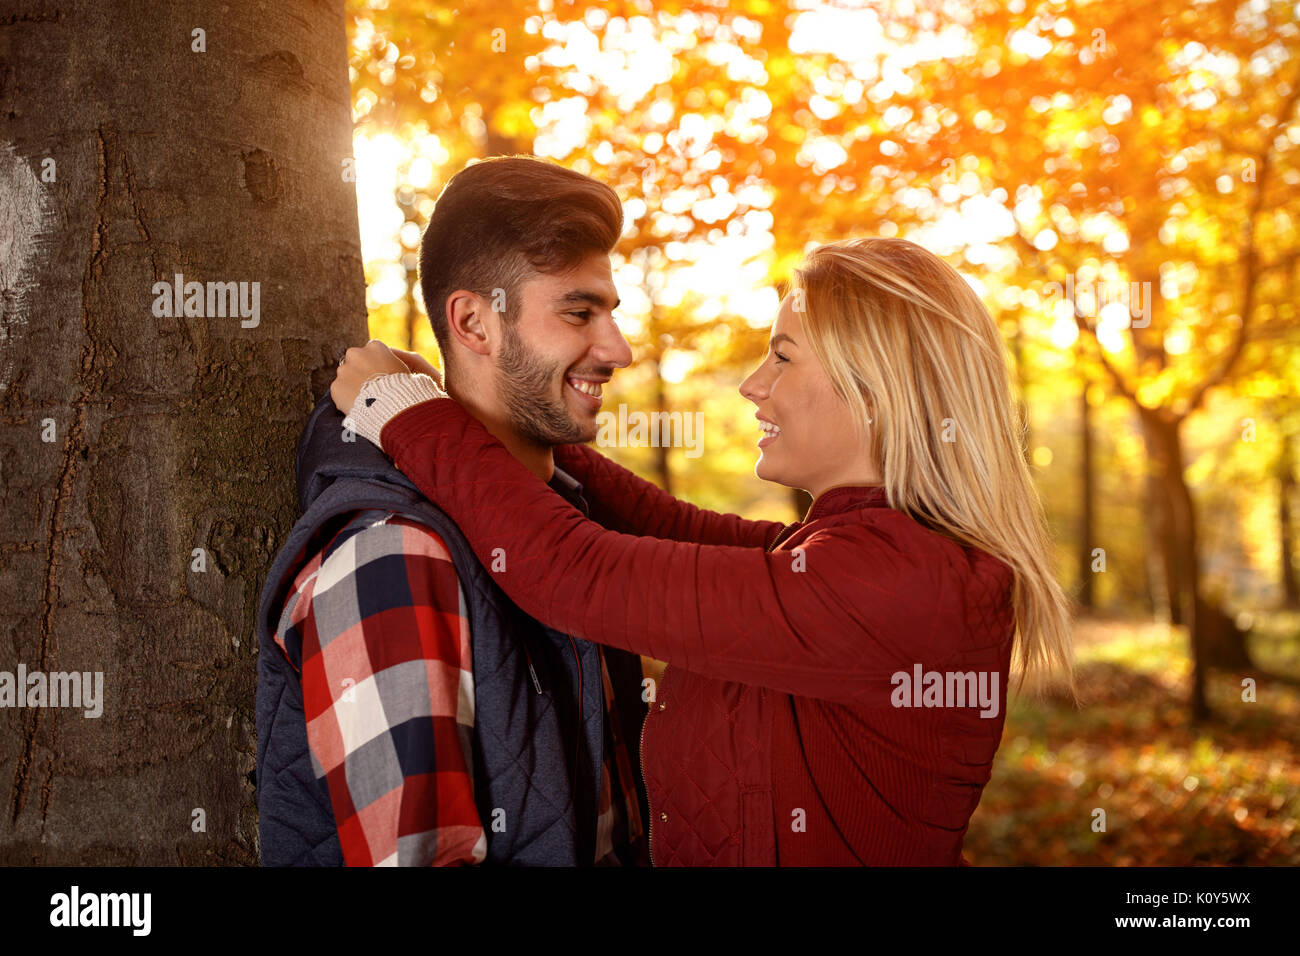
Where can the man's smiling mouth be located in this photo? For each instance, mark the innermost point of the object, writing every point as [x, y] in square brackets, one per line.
[588, 389]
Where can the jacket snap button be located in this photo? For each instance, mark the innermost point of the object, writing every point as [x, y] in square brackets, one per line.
[663, 704]
[663, 817]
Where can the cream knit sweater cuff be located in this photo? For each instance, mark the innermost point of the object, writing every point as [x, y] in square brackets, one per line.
[384, 397]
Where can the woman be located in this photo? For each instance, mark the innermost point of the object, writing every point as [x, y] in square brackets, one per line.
[837, 690]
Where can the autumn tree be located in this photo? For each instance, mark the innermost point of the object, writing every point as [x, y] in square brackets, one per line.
[181, 272]
[467, 76]
[1148, 152]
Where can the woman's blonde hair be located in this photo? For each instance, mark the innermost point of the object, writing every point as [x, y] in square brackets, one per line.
[908, 344]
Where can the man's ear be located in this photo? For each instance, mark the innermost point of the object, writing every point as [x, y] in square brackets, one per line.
[472, 322]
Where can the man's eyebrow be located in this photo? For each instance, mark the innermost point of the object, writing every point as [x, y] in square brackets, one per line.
[577, 296]
[782, 337]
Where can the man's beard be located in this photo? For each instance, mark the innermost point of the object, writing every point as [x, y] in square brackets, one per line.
[524, 383]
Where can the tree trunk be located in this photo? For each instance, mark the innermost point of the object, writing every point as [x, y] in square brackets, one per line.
[410, 260]
[1087, 596]
[1022, 399]
[1156, 565]
[1286, 541]
[147, 459]
[663, 464]
[1163, 436]
[1162, 566]
[1222, 642]
[658, 343]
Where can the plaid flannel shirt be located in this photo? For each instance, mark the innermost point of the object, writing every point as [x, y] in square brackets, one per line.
[388, 697]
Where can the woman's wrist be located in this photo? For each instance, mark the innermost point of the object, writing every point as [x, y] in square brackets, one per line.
[384, 397]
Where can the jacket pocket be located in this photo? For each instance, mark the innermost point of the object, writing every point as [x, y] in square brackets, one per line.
[757, 828]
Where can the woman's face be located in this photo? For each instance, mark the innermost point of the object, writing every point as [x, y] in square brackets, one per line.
[809, 439]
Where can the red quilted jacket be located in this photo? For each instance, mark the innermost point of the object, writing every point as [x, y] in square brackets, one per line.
[775, 737]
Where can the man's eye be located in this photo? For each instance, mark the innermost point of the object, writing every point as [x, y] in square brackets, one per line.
[583, 314]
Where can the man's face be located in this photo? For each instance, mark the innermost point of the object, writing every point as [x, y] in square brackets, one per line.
[556, 355]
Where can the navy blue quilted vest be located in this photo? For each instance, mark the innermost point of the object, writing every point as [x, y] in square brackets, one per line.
[537, 747]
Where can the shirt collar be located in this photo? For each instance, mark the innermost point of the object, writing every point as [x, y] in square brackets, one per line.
[846, 498]
[569, 488]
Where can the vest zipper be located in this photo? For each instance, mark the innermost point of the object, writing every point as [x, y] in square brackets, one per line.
[537, 685]
[645, 785]
[578, 738]
[650, 814]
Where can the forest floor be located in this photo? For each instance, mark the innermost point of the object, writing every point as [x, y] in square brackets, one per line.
[1172, 792]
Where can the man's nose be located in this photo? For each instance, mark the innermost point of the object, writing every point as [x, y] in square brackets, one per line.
[613, 348]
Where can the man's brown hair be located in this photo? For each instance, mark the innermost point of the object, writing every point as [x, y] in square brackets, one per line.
[500, 221]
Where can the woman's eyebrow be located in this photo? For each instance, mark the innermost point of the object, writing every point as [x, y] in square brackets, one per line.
[782, 337]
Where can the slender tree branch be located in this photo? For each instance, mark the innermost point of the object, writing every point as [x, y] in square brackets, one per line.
[1250, 259]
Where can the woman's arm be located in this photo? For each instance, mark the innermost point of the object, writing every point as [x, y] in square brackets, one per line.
[864, 602]
[624, 501]
[619, 498]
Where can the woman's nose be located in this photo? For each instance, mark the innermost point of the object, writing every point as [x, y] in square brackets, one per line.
[754, 388]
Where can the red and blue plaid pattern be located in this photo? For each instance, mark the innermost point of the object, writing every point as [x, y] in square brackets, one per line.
[388, 696]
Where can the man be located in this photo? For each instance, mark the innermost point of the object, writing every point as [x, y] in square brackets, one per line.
[408, 713]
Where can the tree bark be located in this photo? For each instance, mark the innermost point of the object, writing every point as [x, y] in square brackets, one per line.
[170, 434]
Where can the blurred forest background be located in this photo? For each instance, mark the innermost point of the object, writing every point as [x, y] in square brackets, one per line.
[1121, 183]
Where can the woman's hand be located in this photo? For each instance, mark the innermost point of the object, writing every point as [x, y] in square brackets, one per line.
[359, 364]
[418, 365]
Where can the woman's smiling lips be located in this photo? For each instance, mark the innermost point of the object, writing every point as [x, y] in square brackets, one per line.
[771, 431]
